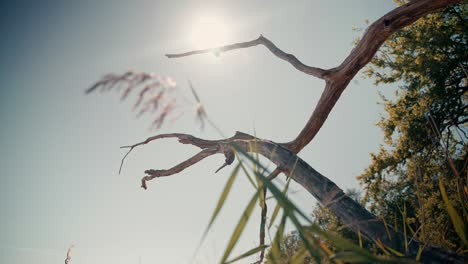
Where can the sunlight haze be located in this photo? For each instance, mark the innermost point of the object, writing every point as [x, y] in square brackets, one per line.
[60, 147]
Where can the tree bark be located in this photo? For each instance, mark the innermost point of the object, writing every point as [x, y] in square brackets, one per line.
[337, 79]
[324, 190]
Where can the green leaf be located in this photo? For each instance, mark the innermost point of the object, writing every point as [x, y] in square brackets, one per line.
[277, 207]
[420, 250]
[224, 194]
[404, 227]
[276, 244]
[395, 252]
[219, 205]
[350, 256]
[289, 208]
[454, 216]
[285, 190]
[280, 197]
[247, 174]
[305, 239]
[299, 257]
[360, 238]
[240, 227]
[248, 253]
[343, 243]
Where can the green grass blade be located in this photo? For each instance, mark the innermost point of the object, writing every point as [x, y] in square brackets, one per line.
[224, 194]
[349, 257]
[386, 228]
[289, 208]
[306, 240]
[382, 247]
[395, 252]
[299, 257]
[285, 190]
[284, 202]
[275, 252]
[343, 243]
[277, 207]
[247, 174]
[404, 228]
[273, 152]
[274, 215]
[248, 253]
[280, 197]
[219, 205]
[360, 238]
[454, 216]
[240, 227]
[420, 250]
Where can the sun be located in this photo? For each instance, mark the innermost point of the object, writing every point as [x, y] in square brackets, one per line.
[208, 32]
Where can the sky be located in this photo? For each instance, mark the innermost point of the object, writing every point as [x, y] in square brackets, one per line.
[60, 148]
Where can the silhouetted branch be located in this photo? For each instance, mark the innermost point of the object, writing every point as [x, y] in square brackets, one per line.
[151, 174]
[325, 191]
[338, 78]
[317, 72]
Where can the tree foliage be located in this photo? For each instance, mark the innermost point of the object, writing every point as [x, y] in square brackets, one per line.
[424, 126]
[424, 129]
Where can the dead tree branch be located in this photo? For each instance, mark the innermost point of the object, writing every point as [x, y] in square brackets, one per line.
[178, 168]
[338, 78]
[317, 72]
[323, 189]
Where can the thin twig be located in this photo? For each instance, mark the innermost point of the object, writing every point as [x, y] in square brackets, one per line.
[151, 174]
[68, 258]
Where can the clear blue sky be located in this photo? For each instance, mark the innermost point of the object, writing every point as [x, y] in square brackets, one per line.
[60, 148]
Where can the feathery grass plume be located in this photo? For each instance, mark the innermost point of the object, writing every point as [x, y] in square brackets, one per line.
[156, 95]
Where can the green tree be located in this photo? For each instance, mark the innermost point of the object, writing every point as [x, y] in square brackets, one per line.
[424, 126]
[424, 135]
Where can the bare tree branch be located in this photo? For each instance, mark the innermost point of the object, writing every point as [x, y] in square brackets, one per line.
[324, 190]
[317, 72]
[209, 147]
[338, 78]
[151, 174]
[373, 38]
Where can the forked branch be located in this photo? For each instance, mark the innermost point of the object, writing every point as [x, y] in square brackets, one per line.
[151, 174]
[324, 190]
[314, 71]
[339, 77]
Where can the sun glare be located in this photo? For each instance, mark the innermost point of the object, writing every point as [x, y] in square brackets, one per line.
[208, 32]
